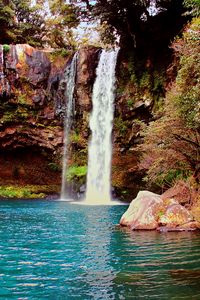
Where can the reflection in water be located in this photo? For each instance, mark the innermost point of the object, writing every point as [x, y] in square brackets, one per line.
[57, 250]
[99, 272]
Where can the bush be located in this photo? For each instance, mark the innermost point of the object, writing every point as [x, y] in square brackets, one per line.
[6, 48]
[76, 172]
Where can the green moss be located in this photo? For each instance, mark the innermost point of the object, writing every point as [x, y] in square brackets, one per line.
[61, 52]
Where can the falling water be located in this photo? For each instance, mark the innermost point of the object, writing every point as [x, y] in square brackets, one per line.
[70, 78]
[100, 148]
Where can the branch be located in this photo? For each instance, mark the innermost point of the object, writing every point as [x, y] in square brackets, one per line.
[181, 138]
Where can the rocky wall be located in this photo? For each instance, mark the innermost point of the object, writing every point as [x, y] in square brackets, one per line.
[32, 109]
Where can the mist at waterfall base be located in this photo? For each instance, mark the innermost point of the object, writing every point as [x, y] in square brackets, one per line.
[50, 250]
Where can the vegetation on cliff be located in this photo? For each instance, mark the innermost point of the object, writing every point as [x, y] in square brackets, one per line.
[157, 109]
[172, 142]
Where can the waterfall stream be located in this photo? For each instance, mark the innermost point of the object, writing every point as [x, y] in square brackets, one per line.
[70, 78]
[101, 121]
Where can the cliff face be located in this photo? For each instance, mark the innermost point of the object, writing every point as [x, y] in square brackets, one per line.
[32, 108]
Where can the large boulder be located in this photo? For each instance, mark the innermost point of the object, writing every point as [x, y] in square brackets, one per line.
[150, 211]
[143, 212]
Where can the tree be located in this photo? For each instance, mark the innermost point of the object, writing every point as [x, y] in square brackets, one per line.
[30, 23]
[146, 26]
[171, 145]
[64, 17]
[21, 23]
[193, 7]
[7, 21]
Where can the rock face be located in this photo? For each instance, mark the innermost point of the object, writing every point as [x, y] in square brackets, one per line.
[32, 109]
[86, 68]
[33, 105]
[150, 211]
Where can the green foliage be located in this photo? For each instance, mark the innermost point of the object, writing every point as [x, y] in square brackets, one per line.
[64, 17]
[193, 7]
[160, 213]
[21, 22]
[75, 137]
[6, 48]
[19, 192]
[172, 142]
[130, 102]
[76, 172]
[22, 99]
[106, 34]
[61, 52]
[188, 80]
[169, 177]
[145, 81]
[120, 125]
[130, 20]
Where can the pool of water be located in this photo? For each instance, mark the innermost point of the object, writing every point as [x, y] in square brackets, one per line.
[57, 250]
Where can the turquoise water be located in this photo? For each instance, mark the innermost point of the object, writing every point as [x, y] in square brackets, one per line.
[56, 250]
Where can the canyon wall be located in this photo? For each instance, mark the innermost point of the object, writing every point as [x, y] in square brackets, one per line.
[32, 109]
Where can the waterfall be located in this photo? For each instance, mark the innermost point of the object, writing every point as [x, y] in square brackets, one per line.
[100, 148]
[70, 78]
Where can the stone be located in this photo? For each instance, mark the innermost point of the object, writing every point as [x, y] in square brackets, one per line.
[143, 212]
[150, 211]
[87, 63]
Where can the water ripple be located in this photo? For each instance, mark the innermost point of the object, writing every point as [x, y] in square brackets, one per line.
[57, 250]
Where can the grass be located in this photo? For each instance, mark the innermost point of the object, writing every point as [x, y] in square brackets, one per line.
[26, 192]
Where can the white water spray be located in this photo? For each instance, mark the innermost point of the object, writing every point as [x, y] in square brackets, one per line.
[69, 95]
[101, 121]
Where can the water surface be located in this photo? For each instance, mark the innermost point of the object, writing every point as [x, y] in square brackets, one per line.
[56, 250]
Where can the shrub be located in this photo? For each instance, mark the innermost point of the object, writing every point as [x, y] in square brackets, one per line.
[76, 172]
[6, 48]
